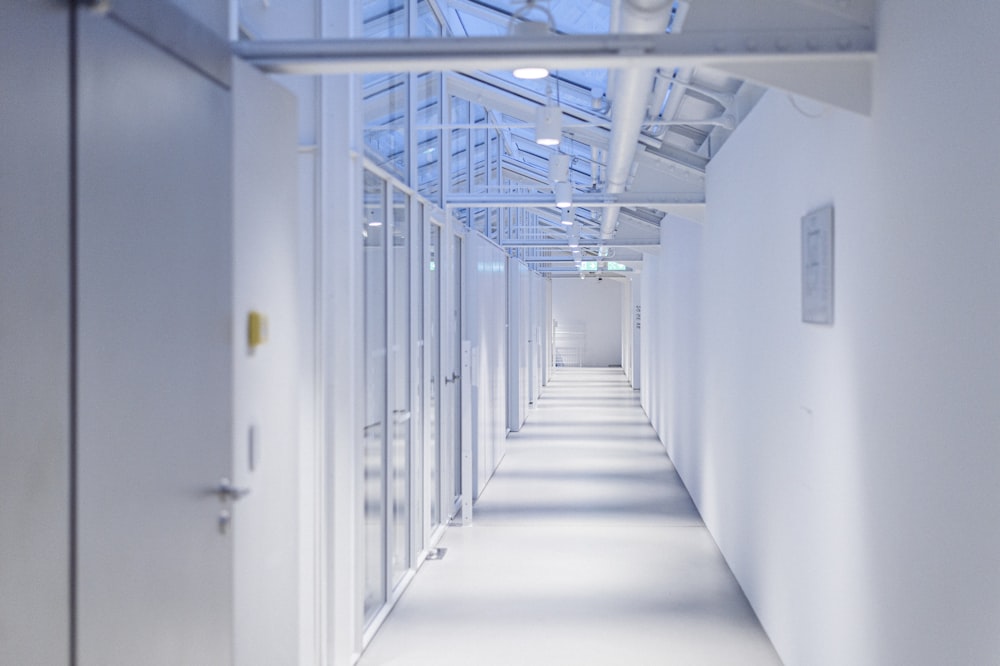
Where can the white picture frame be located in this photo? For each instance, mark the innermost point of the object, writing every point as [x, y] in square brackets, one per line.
[817, 266]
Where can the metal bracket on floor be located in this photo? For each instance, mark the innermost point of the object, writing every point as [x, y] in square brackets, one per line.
[436, 553]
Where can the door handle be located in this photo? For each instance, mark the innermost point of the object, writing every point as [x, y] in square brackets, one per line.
[227, 492]
[454, 376]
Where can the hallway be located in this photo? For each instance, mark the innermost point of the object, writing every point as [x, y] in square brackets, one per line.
[585, 550]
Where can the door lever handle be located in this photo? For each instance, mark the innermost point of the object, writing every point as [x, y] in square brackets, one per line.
[227, 492]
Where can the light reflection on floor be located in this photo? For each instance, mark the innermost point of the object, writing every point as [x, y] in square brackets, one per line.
[585, 550]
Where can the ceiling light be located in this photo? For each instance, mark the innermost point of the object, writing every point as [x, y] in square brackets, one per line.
[559, 164]
[522, 27]
[599, 100]
[564, 195]
[566, 218]
[548, 125]
[530, 73]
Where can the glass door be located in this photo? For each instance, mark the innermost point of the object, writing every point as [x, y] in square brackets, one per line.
[374, 537]
[455, 358]
[449, 357]
[433, 346]
[400, 390]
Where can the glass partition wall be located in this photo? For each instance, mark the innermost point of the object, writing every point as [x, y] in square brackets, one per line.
[446, 157]
[404, 473]
[432, 269]
[400, 409]
[375, 537]
[413, 269]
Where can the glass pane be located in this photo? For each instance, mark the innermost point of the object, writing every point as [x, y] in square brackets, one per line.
[384, 18]
[434, 349]
[459, 146]
[385, 95]
[385, 107]
[429, 140]
[373, 452]
[401, 407]
[427, 23]
[419, 510]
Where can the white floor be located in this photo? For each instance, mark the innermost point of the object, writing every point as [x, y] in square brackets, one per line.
[585, 550]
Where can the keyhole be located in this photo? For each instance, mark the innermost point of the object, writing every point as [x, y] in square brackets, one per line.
[225, 517]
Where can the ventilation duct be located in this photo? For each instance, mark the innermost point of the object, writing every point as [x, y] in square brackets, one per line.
[631, 97]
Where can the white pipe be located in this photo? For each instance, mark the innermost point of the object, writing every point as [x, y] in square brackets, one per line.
[672, 83]
[631, 98]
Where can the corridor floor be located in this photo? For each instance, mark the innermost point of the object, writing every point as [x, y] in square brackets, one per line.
[585, 550]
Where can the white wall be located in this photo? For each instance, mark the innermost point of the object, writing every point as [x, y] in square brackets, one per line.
[849, 473]
[34, 334]
[635, 334]
[593, 306]
[519, 339]
[631, 326]
[541, 327]
[486, 314]
[529, 322]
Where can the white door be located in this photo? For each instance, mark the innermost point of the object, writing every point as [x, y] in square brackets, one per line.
[154, 554]
[34, 333]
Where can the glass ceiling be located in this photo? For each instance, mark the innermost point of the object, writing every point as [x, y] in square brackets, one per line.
[526, 162]
[476, 18]
[486, 121]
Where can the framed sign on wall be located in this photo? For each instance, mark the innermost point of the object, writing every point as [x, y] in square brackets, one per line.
[817, 266]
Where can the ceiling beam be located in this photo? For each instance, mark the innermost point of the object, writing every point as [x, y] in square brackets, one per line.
[703, 48]
[568, 259]
[584, 199]
[556, 242]
[576, 273]
[859, 11]
[519, 102]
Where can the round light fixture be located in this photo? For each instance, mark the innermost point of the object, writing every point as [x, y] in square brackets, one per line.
[559, 164]
[548, 125]
[530, 28]
[564, 195]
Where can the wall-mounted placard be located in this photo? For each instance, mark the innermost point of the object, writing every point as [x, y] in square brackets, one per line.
[817, 266]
